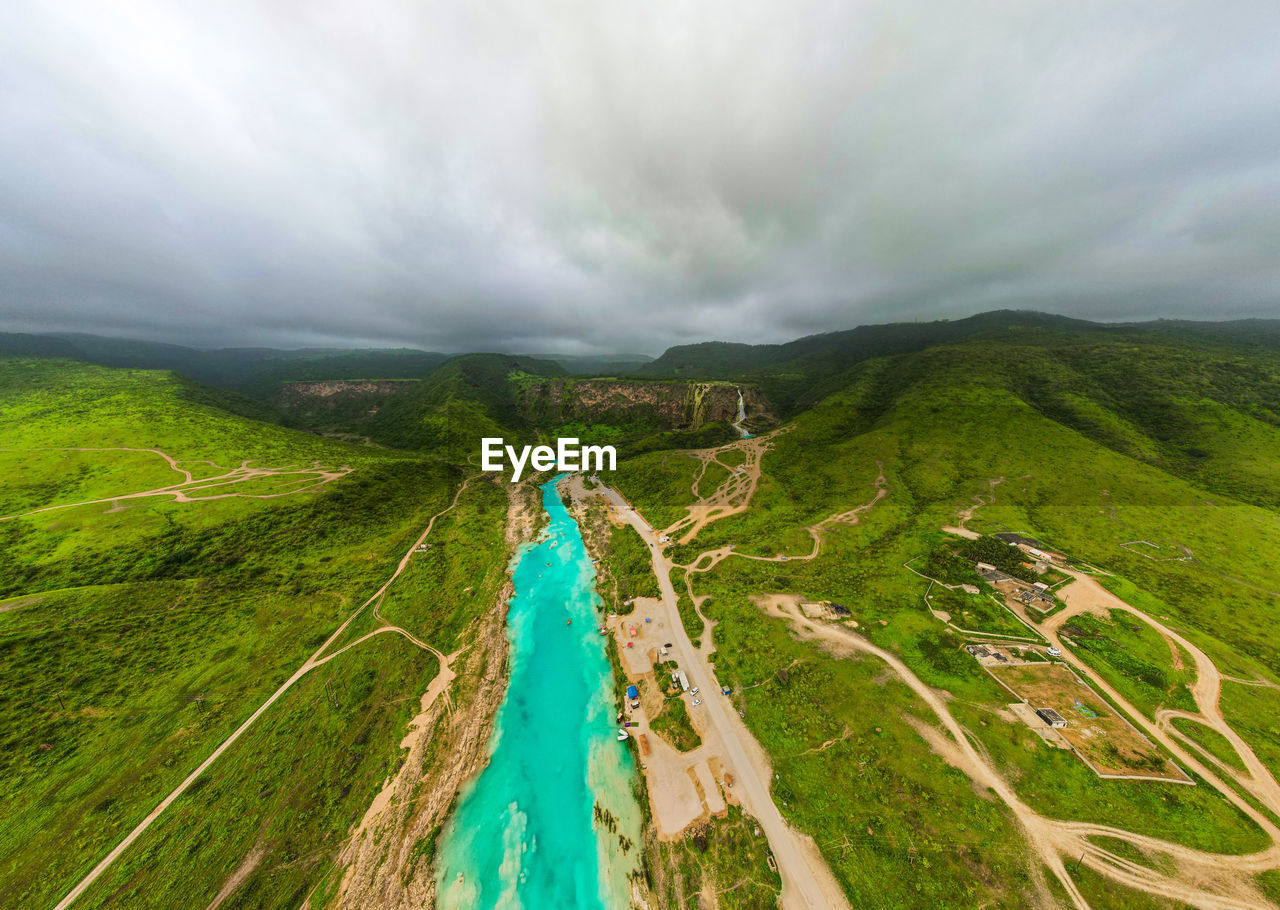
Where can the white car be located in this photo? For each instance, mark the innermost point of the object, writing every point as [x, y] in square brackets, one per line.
[696, 702]
[693, 691]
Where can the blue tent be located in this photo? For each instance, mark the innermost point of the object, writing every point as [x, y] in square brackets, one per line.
[633, 692]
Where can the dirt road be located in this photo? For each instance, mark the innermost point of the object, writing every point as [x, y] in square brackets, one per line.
[807, 881]
[851, 517]
[1085, 594]
[1214, 882]
[732, 496]
[315, 660]
[187, 490]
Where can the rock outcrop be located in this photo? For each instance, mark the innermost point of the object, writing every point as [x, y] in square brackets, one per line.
[669, 405]
[337, 400]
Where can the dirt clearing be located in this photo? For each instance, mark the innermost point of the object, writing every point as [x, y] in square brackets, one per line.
[1106, 742]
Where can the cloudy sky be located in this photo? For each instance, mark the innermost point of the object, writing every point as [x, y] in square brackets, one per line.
[580, 175]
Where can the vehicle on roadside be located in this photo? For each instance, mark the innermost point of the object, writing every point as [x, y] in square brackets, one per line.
[696, 702]
[693, 691]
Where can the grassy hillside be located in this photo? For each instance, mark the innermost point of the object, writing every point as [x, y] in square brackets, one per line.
[798, 374]
[137, 632]
[460, 402]
[520, 398]
[258, 372]
[1090, 444]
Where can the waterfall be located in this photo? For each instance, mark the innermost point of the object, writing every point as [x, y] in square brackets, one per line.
[742, 415]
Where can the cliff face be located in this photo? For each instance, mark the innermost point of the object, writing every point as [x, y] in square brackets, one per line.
[337, 400]
[669, 405]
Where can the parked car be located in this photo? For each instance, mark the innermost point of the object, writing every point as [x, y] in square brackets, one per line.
[696, 702]
[693, 691]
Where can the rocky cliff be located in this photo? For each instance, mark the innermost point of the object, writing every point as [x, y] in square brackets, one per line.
[669, 405]
[337, 400]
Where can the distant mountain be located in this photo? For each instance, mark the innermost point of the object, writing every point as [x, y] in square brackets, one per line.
[14, 344]
[834, 350]
[801, 371]
[599, 365]
[258, 372]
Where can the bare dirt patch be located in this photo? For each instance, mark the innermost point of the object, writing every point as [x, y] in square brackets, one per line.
[1105, 741]
[19, 602]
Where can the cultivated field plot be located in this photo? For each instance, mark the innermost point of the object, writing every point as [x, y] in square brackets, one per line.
[1105, 741]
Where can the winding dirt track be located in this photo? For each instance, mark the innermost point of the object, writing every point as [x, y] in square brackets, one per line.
[314, 661]
[1085, 594]
[733, 495]
[1216, 882]
[1211, 881]
[315, 477]
[816, 531]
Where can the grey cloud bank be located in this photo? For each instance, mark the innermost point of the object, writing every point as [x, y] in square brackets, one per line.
[578, 177]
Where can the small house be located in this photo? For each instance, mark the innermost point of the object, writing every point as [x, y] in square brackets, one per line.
[1051, 717]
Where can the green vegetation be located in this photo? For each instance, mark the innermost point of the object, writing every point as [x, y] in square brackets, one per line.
[253, 371]
[689, 617]
[1269, 882]
[978, 613]
[943, 564]
[140, 637]
[1210, 741]
[727, 856]
[849, 774]
[630, 562]
[1101, 891]
[659, 485]
[706, 436]
[446, 586]
[995, 552]
[1161, 862]
[150, 628]
[457, 404]
[1254, 713]
[1134, 658]
[941, 424]
[673, 725]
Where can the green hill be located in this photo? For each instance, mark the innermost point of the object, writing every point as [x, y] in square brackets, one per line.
[258, 372]
[1087, 443]
[799, 373]
[148, 628]
[458, 403]
[137, 632]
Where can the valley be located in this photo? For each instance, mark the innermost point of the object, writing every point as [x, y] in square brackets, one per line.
[261, 666]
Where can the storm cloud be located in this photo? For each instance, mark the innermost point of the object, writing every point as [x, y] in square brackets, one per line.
[577, 176]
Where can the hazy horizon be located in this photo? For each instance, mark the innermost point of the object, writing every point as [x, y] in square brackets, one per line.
[607, 354]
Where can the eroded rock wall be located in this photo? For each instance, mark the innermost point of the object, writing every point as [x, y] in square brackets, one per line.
[670, 405]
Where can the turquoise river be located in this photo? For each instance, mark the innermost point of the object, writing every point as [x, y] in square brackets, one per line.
[552, 821]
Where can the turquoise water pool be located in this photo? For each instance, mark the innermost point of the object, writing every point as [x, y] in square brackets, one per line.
[553, 821]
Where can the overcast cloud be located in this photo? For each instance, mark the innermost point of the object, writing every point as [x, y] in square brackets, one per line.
[578, 176]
